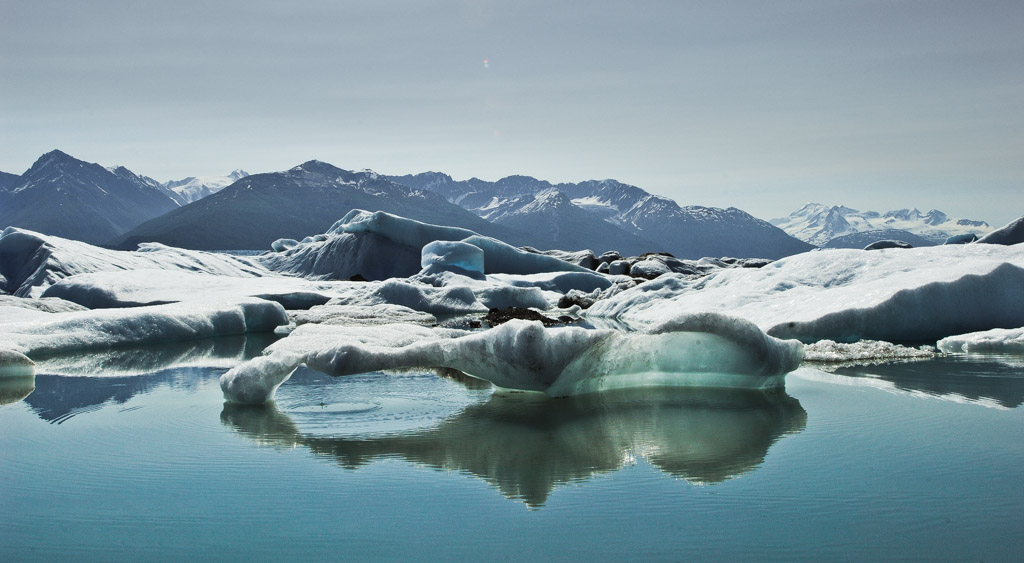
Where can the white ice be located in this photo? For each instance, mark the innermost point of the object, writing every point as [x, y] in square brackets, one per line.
[706, 350]
[1007, 340]
[109, 328]
[829, 351]
[31, 262]
[893, 295]
[153, 287]
[356, 243]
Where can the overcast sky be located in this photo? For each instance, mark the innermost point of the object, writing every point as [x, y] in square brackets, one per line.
[761, 105]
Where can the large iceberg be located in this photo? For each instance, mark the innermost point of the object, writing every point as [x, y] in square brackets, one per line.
[355, 244]
[895, 295]
[54, 333]
[1011, 233]
[30, 262]
[705, 350]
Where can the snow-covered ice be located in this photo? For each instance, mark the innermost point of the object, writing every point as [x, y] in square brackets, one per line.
[1011, 233]
[31, 262]
[355, 244]
[152, 287]
[108, 328]
[895, 295]
[705, 350]
[1006, 340]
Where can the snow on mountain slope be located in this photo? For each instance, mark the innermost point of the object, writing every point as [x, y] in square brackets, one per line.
[613, 215]
[257, 210]
[197, 187]
[818, 224]
[63, 196]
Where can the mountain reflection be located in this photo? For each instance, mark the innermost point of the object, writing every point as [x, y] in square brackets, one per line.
[975, 377]
[526, 445]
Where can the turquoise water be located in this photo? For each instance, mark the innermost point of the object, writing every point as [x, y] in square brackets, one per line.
[917, 460]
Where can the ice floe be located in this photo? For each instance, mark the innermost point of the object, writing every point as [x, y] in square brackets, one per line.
[108, 328]
[829, 351]
[30, 262]
[704, 350]
[150, 287]
[895, 295]
[1009, 340]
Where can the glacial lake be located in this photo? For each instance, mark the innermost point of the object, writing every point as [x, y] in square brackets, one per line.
[135, 455]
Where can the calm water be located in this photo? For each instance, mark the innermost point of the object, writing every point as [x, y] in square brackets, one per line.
[918, 460]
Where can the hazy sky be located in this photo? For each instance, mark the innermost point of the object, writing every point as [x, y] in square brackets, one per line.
[761, 105]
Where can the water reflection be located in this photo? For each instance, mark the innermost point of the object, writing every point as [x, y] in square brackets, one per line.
[14, 389]
[526, 445]
[977, 378]
[224, 351]
[71, 384]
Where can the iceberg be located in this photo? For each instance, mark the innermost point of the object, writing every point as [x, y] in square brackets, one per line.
[703, 350]
[1011, 233]
[991, 341]
[894, 295]
[829, 351]
[108, 328]
[355, 243]
[31, 262]
[15, 364]
[102, 290]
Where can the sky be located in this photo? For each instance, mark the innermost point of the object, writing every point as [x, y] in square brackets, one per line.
[758, 105]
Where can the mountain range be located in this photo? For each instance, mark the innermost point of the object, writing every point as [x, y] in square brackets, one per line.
[820, 224]
[68, 197]
[256, 210]
[610, 215]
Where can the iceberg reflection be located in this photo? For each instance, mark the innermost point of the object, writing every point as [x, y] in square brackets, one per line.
[979, 379]
[526, 445]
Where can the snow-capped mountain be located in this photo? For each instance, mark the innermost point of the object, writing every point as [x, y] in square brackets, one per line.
[818, 224]
[61, 195]
[258, 209]
[128, 175]
[610, 215]
[197, 187]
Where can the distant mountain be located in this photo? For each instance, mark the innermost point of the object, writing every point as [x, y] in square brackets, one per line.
[860, 240]
[197, 187]
[608, 214]
[128, 175]
[8, 181]
[256, 210]
[818, 224]
[552, 218]
[63, 196]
